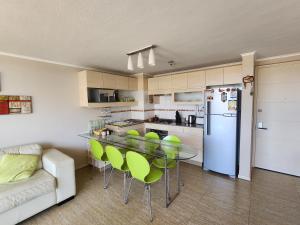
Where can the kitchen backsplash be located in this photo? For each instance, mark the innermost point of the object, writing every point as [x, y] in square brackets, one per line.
[163, 107]
[166, 108]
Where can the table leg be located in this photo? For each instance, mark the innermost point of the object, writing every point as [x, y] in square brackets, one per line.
[178, 175]
[166, 183]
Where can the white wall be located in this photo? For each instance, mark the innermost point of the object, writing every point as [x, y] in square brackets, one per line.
[57, 118]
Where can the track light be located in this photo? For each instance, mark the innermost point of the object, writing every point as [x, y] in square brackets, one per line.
[151, 60]
[129, 65]
[140, 63]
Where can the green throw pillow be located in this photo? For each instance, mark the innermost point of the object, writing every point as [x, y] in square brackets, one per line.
[14, 167]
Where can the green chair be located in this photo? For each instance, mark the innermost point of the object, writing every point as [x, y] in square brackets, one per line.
[171, 153]
[150, 147]
[98, 154]
[117, 161]
[130, 142]
[133, 132]
[141, 170]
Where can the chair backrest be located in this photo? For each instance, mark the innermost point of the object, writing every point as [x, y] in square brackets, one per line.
[114, 157]
[96, 149]
[133, 132]
[151, 147]
[138, 165]
[170, 150]
[152, 135]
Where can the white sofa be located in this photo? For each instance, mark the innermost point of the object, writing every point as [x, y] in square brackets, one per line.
[52, 183]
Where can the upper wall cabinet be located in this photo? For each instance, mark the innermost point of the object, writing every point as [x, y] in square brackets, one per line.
[132, 84]
[122, 83]
[109, 81]
[214, 77]
[233, 74]
[164, 83]
[93, 79]
[152, 84]
[196, 80]
[179, 81]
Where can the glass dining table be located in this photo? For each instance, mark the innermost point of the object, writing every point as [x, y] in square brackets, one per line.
[154, 148]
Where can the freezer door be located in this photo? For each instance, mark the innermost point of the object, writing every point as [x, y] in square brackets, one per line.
[220, 144]
[217, 106]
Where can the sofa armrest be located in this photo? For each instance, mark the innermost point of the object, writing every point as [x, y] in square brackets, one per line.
[62, 168]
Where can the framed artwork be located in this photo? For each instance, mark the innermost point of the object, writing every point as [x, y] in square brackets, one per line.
[15, 104]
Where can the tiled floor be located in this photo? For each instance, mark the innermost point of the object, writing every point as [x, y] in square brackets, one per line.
[206, 198]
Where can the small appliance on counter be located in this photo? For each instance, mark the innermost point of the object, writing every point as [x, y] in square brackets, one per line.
[191, 119]
[178, 118]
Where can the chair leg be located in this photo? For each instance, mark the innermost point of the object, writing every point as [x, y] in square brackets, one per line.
[104, 175]
[128, 191]
[147, 186]
[124, 185]
[107, 182]
[168, 184]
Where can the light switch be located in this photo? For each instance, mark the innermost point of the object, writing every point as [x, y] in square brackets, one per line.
[260, 125]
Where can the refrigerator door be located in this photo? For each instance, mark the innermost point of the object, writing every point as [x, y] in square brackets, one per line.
[220, 143]
[217, 106]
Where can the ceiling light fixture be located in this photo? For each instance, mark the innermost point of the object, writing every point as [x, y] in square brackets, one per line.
[129, 64]
[140, 62]
[151, 60]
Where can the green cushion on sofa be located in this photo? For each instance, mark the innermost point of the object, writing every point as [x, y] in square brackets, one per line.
[14, 167]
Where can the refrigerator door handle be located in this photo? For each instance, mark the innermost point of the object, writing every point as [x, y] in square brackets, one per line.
[208, 122]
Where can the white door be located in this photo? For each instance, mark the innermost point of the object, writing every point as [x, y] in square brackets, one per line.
[278, 118]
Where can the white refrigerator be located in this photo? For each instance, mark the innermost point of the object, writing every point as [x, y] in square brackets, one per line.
[222, 129]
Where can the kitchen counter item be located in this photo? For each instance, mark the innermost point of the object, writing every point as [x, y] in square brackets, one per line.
[191, 119]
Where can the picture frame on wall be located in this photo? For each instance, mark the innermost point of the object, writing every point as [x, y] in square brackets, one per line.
[15, 104]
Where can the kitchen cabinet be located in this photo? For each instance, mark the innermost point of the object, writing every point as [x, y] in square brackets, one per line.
[196, 80]
[132, 84]
[91, 79]
[179, 81]
[122, 83]
[164, 83]
[153, 84]
[214, 77]
[233, 74]
[109, 81]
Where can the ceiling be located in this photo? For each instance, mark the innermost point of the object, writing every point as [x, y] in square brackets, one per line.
[99, 33]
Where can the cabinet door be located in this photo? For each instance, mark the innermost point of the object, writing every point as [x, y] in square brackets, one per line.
[179, 81]
[194, 137]
[214, 77]
[196, 79]
[94, 79]
[164, 83]
[109, 81]
[233, 74]
[132, 83]
[152, 84]
[122, 83]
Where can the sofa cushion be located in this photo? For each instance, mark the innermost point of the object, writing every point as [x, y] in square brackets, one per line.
[17, 193]
[31, 149]
[14, 167]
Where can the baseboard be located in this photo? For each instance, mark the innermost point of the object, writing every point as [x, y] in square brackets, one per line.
[196, 163]
[244, 178]
[82, 166]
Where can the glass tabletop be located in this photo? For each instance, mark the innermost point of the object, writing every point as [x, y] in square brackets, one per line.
[157, 148]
